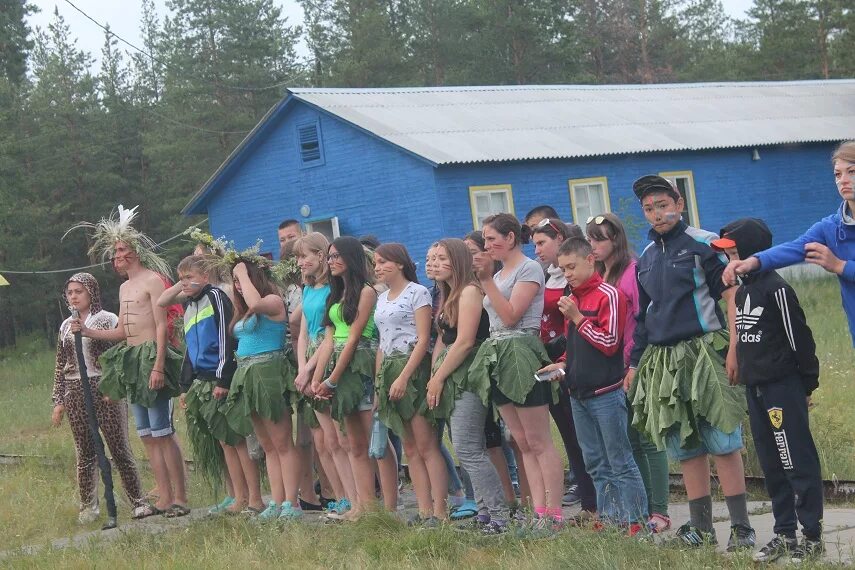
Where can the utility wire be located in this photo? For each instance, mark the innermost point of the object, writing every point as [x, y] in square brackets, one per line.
[50, 271]
[163, 63]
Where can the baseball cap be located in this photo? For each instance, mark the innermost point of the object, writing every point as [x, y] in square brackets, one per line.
[653, 183]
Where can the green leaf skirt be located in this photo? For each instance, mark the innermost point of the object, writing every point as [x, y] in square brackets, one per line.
[306, 405]
[125, 372]
[394, 414]
[676, 385]
[262, 385]
[509, 363]
[456, 383]
[206, 427]
[356, 380]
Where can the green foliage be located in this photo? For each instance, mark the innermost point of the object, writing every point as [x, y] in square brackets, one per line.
[150, 128]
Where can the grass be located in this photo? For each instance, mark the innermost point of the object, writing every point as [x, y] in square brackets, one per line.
[38, 502]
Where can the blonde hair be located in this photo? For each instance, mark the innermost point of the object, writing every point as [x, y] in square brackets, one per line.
[845, 152]
[314, 242]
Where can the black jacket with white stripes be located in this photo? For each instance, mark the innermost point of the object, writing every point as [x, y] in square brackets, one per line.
[774, 339]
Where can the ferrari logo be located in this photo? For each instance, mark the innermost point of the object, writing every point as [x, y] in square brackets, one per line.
[776, 416]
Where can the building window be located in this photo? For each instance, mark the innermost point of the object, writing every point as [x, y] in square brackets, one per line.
[310, 144]
[589, 197]
[488, 200]
[326, 226]
[685, 184]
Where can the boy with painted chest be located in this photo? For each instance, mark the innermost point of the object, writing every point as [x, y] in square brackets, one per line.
[778, 365]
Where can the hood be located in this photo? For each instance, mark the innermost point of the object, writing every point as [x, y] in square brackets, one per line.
[748, 235]
[91, 285]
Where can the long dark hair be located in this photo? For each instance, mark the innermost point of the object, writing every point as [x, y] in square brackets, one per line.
[397, 253]
[260, 279]
[611, 229]
[555, 228]
[348, 287]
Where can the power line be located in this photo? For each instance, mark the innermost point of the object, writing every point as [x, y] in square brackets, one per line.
[50, 271]
[163, 63]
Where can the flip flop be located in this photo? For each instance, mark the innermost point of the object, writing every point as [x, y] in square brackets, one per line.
[145, 510]
[466, 510]
[175, 511]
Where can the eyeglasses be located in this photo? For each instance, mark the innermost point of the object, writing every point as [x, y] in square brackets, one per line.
[547, 222]
[333, 257]
[596, 219]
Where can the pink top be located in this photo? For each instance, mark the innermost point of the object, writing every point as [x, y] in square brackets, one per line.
[628, 285]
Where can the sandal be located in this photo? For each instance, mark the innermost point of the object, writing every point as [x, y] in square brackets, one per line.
[658, 523]
[466, 510]
[145, 510]
[175, 511]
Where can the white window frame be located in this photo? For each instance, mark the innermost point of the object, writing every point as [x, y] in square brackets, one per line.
[576, 183]
[475, 191]
[690, 198]
[333, 220]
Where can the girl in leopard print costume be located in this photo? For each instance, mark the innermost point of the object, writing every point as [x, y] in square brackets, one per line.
[83, 293]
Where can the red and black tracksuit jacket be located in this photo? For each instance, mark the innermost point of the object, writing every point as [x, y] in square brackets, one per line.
[595, 346]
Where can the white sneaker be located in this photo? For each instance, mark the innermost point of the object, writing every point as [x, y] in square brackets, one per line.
[89, 515]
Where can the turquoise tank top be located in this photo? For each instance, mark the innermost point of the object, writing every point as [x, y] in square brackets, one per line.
[314, 303]
[258, 335]
[342, 329]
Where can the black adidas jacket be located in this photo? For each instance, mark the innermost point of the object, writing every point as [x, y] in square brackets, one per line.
[774, 339]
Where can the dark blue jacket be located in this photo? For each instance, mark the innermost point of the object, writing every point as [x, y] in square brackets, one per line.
[679, 285]
[210, 347]
[839, 238]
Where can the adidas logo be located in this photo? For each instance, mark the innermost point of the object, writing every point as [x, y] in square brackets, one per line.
[746, 319]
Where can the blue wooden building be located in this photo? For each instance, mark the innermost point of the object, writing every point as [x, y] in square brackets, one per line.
[413, 165]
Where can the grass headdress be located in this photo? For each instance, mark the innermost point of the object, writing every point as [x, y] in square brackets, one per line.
[105, 233]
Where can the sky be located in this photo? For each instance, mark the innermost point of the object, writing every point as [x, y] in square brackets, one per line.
[124, 18]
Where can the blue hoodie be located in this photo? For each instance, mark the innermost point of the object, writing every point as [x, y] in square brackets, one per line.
[836, 234]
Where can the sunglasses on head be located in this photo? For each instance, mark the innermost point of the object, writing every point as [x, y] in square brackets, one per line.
[596, 219]
[547, 222]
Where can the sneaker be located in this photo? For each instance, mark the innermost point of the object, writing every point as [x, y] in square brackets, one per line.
[779, 546]
[290, 513]
[693, 537]
[475, 524]
[338, 509]
[431, 523]
[494, 528]
[809, 549]
[415, 520]
[741, 536]
[540, 527]
[222, 507]
[572, 497]
[90, 514]
[270, 513]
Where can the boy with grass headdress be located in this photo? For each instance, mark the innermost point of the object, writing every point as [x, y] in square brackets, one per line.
[143, 367]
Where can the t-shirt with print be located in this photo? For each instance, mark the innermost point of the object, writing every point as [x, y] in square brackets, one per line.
[396, 319]
[527, 271]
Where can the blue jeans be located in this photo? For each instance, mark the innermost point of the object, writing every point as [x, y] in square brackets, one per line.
[601, 429]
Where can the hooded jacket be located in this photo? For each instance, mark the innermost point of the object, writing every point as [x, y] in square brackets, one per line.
[679, 285]
[836, 233]
[774, 340]
[66, 368]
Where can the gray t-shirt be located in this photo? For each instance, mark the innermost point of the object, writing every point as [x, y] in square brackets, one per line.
[527, 271]
[396, 320]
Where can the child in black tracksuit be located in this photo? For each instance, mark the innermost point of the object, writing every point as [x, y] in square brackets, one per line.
[778, 365]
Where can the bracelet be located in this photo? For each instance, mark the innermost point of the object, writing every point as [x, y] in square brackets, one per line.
[329, 384]
[158, 371]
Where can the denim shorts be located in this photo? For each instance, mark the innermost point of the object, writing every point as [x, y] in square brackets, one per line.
[367, 402]
[713, 442]
[155, 421]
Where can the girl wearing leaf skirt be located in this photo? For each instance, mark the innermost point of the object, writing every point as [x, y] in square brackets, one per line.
[403, 319]
[344, 373]
[262, 386]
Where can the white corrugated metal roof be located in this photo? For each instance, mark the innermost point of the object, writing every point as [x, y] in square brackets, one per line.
[449, 125]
